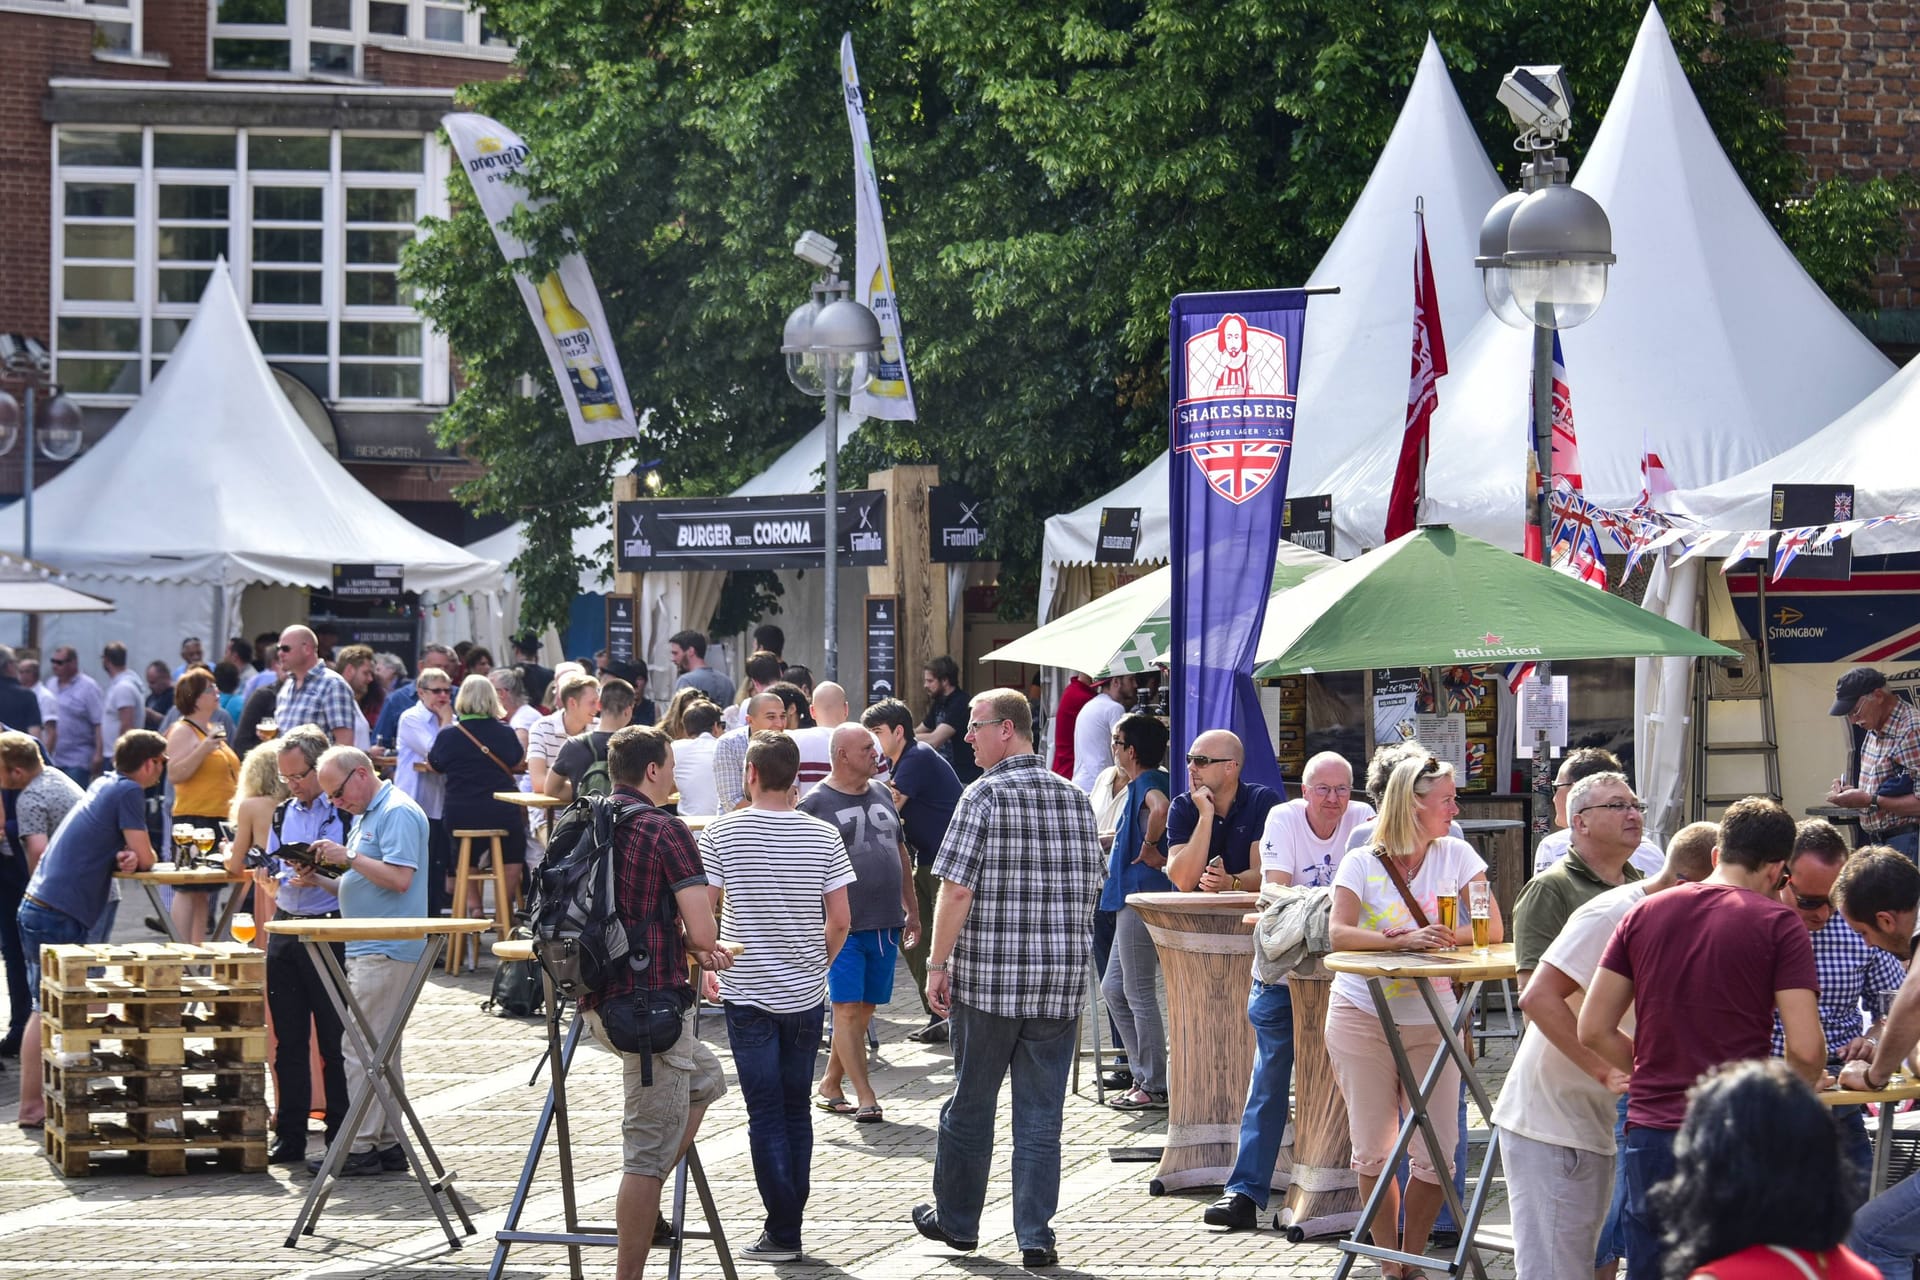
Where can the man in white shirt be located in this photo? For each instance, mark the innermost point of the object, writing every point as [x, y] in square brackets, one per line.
[829, 710]
[1093, 730]
[576, 701]
[1558, 1112]
[693, 761]
[1584, 762]
[125, 699]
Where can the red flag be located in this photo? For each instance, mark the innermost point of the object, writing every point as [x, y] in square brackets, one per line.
[1423, 395]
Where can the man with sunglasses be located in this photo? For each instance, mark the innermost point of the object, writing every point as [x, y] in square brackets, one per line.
[81, 707]
[1605, 820]
[1214, 827]
[385, 856]
[1854, 974]
[313, 693]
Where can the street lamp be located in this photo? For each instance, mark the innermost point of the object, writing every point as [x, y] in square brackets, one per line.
[824, 341]
[1544, 250]
[50, 422]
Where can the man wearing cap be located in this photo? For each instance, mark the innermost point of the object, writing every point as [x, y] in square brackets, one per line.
[1889, 760]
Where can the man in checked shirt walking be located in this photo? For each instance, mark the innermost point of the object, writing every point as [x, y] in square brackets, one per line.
[1020, 872]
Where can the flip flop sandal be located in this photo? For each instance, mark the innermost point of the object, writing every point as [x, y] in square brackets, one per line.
[869, 1115]
[837, 1106]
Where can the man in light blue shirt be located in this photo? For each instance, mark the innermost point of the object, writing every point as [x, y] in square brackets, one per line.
[384, 856]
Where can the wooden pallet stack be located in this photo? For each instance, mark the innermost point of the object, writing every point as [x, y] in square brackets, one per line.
[154, 1050]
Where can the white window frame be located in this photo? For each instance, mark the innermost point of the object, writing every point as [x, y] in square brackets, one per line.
[301, 35]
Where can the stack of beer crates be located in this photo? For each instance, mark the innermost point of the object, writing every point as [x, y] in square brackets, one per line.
[152, 1051]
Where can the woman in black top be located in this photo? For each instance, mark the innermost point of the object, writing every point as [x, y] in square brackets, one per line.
[479, 754]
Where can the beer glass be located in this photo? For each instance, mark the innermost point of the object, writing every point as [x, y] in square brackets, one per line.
[1447, 895]
[1480, 908]
[243, 927]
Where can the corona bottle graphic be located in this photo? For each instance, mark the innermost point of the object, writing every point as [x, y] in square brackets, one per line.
[580, 351]
[887, 379]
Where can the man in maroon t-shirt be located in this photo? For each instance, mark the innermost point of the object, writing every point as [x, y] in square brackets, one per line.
[1703, 967]
[1079, 692]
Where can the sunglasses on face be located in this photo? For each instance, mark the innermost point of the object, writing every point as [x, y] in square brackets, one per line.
[1198, 761]
[1808, 903]
[339, 792]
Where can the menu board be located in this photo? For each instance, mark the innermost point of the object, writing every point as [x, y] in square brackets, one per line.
[620, 629]
[883, 648]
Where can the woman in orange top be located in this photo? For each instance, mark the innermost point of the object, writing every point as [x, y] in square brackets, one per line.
[205, 773]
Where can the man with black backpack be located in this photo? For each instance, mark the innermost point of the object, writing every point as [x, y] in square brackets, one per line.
[581, 767]
[657, 875]
[296, 993]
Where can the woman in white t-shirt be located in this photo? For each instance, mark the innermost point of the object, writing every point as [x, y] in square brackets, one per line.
[1370, 914]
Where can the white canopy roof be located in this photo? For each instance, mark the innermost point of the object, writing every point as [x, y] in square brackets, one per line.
[589, 543]
[797, 470]
[1870, 446]
[1358, 345]
[1706, 310]
[211, 478]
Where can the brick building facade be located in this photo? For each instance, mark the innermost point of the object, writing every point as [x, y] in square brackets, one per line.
[142, 139]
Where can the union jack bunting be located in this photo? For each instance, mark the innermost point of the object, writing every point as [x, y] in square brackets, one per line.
[1792, 543]
[1752, 543]
[1576, 542]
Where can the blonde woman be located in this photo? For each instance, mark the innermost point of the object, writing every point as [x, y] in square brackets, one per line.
[1385, 899]
[260, 791]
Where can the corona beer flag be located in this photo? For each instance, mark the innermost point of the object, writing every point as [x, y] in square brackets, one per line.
[890, 394]
[1234, 365]
[565, 306]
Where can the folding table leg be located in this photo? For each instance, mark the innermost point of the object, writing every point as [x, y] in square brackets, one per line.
[560, 1059]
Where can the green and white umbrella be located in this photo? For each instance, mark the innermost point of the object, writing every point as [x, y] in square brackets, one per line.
[1435, 597]
[1126, 631]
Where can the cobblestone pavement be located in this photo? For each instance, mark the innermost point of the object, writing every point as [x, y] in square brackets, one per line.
[468, 1075]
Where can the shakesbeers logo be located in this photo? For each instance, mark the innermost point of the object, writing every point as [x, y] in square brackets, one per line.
[1493, 646]
[1236, 421]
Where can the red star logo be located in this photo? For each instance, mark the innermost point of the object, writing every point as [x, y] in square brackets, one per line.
[1490, 639]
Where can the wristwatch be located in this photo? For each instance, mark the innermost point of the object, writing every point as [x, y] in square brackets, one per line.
[351, 855]
[939, 966]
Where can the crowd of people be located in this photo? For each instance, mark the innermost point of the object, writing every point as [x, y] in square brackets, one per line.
[1682, 1004]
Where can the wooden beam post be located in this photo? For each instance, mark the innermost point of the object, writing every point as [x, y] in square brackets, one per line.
[910, 574]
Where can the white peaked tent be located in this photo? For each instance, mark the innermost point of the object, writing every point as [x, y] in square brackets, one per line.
[1713, 345]
[1357, 352]
[208, 485]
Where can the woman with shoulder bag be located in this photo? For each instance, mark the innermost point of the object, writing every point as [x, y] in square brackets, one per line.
[479, 754]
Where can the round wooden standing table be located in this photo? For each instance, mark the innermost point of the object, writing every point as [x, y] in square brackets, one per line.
[1206, 955]
[1900, 1088]
[178, 877]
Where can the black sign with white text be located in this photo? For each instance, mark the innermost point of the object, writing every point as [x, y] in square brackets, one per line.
[1308, 522]
[620, 615]
[956, 530]
[785, 531]
[1119, 535]
[883, 648]
[1812, 506]
[367, 581]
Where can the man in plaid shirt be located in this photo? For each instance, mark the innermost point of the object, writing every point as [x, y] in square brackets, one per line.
[313, 693]
[1890, 754]
[655, 858]
[1013, 928]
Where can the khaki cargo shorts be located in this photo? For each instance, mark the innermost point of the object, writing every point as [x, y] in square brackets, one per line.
[656, 1115]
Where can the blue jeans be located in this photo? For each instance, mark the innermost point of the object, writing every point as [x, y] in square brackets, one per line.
[1263, 1123]
[1104, 924]
[1038, 1052]
[1613, 1233]
[13, 883]
[1886, 1231]
[773, 1059]
[44, 927]
[1907, 842]
[1649, 1162]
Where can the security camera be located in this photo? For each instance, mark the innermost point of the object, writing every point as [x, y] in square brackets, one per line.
[1538, 100]
[817, 249]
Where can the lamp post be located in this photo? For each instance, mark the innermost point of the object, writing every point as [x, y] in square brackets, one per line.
[824, 340]
[50, 422]
[1544, 251]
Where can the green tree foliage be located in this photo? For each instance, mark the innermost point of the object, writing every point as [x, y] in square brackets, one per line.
[1052, 174]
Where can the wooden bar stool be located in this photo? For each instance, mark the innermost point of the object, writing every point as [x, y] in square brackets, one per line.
[494, 867]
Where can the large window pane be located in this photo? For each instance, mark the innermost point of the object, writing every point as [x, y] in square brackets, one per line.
[283, 245]
[376, 246]
[192, 244]
[203, 204]
[182, 284]
[376, 289]
[334, 14]
[291, 337]
[193, 151]
[379, 204]
[386, 18]
[99, 242]
[99, 200]
[380, 155]
[313, 373]
[100, 377]
[100, 146]
[98, 284]
[252, 55]
[167, 331]
[288, 204]
[113, 37]
[330, 59]
[287, 151]
[98, 333]
[254, 12]
[380, 381]
[379, 339]
[287, 288]
[446, 24]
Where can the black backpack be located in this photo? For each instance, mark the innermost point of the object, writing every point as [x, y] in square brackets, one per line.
[516, 987]
[577, 934]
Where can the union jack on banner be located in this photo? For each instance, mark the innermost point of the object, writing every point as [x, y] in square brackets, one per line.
[1576, 542]
[1238, 469]
[1753, 543]
[1566, 447]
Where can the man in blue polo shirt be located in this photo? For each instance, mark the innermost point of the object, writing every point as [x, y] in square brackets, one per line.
[383, 856]
[104, 833]
[1220, 817]
[925, 789]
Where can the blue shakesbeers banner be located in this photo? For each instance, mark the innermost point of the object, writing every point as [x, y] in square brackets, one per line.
[1234, 363]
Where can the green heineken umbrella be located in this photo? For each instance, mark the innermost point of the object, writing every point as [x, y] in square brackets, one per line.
[1125, 631]
[1435, 597]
